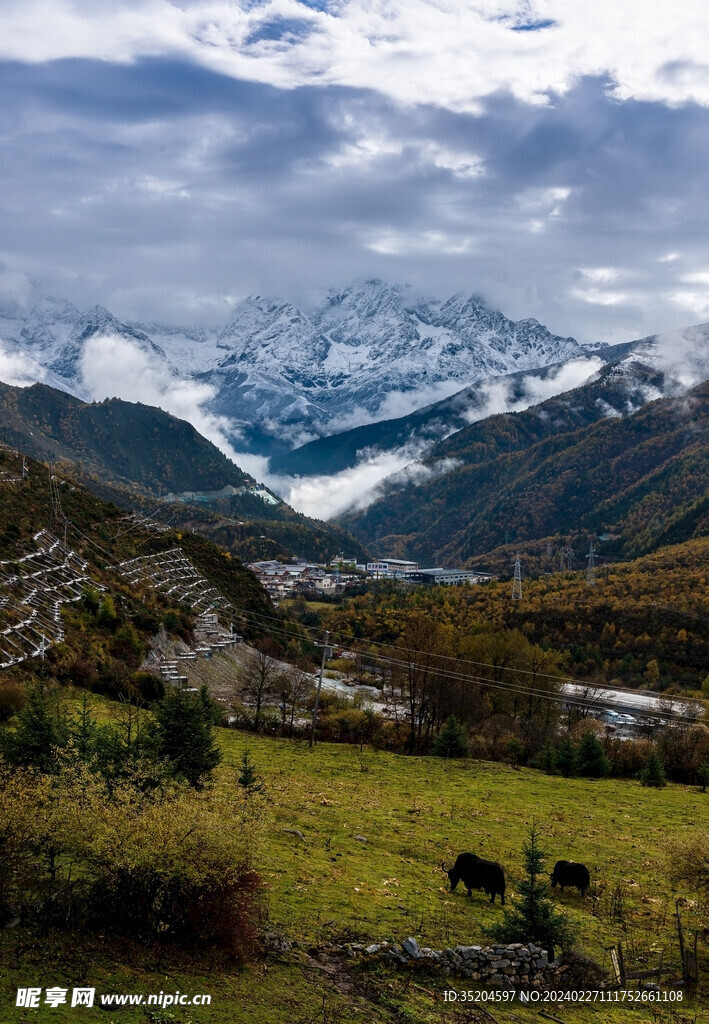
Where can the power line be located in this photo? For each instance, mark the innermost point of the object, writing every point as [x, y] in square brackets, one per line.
[566, 699]
[458, 676]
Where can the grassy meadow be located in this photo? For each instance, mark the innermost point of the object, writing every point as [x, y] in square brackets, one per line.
[375, 828]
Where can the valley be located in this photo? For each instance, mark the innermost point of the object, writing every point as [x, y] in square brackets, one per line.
[143, 661]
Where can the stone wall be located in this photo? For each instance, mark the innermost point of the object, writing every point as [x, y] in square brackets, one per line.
[501, 966]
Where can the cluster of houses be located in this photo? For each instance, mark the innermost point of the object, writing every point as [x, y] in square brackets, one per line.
[288, 579]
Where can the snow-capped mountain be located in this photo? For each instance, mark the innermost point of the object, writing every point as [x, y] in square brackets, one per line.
[281, 375]
[362, 355]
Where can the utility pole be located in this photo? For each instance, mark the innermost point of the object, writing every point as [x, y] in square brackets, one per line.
[517, 582]
[317, 694]
[591, 570]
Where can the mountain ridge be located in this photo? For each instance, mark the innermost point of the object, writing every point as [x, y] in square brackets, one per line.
[134, 454]
[283, 376]
[552, 471]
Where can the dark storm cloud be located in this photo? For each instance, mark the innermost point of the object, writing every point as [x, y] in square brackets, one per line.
[160, 188]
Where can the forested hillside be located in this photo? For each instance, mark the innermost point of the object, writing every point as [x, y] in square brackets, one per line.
[127, 452]
[642, 624]
[453, 416]
[125, 442]
[639, 478]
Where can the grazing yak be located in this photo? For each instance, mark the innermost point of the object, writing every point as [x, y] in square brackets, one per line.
[476, 873]
[568, 872]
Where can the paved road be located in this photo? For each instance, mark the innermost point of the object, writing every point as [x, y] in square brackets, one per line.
[631, 702]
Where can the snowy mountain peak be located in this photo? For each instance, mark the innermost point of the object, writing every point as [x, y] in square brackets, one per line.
[280, 374]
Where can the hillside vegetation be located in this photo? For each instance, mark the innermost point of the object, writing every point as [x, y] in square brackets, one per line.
[453, 416]
[124, 442]
[132, 454]
[644, 623]
[533, 476]
[110, 629]
[375, 828]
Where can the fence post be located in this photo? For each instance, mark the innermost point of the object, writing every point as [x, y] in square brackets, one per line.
[680, 937]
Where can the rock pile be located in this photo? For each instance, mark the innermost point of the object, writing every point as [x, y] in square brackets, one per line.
[503, 966]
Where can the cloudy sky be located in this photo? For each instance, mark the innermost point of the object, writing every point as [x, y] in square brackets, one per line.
[167, 157]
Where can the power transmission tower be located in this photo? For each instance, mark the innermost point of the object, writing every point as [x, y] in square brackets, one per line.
[311, 741]
[591, 570]
[517, 582]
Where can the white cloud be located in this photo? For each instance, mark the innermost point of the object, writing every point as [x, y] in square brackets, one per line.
[500, 397]
[683, 355]
[15, 288]
[448, 52]
[115, 367]
[393, 405]
[17, 368]
[326, 496]
[399, 243]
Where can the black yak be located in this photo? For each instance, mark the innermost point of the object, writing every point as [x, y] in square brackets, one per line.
[568, 872]
[476, 873]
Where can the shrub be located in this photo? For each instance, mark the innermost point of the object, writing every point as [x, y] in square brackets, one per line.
[546, 759]
[689, 866]
[683, 749]
[41, 731]
[566, 761]
[107, 616]
[452, 740]
[149, 687]
[171, 862]
[127, 645]
[627, 756]
[653, 774]
[592, 759]
[12, 700]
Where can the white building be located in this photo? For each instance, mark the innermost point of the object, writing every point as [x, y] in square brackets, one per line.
[447, 577]
[391, 567]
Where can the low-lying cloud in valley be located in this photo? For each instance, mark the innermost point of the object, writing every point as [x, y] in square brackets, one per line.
[504, 396]
[326, 496]
[17, 368]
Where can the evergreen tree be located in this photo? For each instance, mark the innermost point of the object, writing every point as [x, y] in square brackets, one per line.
[514, 749]
[533, 917]
[183, 736]
[83, 729]
[566, 761]
[452, 740]
[248, 778]
[546, 758]
[653, 774]
[125, 750]
[592, 758]
[41, 731]
[703, 776]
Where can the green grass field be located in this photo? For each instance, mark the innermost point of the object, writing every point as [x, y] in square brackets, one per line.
[409, 815]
